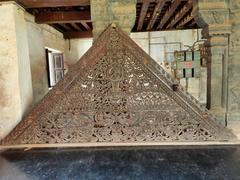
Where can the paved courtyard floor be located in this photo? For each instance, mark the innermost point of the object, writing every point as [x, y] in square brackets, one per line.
[147, 163]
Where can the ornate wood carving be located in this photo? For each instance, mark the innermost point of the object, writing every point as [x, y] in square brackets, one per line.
[117, 93]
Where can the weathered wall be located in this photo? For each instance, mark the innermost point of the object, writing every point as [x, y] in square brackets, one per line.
[15, 76]
[221, 26]
[39, 37]
[23, 75]
[213, 16]
[234, 68]
[37, 60]
[105, 12]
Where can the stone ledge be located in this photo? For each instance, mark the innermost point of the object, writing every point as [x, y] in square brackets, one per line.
[143, 144]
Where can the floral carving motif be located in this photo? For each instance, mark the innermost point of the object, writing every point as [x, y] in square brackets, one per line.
[117, 98]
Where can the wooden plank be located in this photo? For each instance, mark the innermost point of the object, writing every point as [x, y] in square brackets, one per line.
[152, 1]
[53, 3]
[192, 24]
[169, 13]
[143, 13]
[156, 12]
[62, 17]
[181, 14]
[76, 26]
[66, 27]
[85, 25]
[141, 1]
[75, 35]
[185, 21]
[60, 3]
[58, 27]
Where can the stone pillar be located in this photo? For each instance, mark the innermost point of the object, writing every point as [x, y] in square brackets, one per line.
[203, 86]
[105, 12]
[15, 74]
[217, 66]
[213, 16]
[234, 66]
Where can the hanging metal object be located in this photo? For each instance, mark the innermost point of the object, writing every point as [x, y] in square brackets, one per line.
[117, 94]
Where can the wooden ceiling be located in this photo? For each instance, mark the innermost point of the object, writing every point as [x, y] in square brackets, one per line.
[73, 17]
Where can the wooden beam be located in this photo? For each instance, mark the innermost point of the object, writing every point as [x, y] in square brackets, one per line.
[74, 35]
[75, 26]
[181, 14]
[141, 1]
[66, 27]
[59, 3]
[85, 25]
[192, 23]
[53, 3]
[156, 12]
[58, 27]
[152, 1]
[143, 13]
[62, 17]
[185, 21]
[169, 13]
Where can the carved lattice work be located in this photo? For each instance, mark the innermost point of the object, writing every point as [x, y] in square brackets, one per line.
[117, 93]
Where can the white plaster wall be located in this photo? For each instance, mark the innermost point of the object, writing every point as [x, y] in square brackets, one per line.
[186, 37]
[40, 37]
[52, 38]
[149, 42]
[23, 60]
[15, 76]
[38, 60]
[142, 39]
[76, 48]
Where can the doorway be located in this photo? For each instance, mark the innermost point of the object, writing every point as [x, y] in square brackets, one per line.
[55, 66]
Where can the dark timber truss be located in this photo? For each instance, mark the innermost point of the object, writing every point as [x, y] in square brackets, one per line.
[73, 17]
[117, 94]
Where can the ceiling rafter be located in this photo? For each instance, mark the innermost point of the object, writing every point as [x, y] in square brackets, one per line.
[62, 17]
[66, 27]
[192, 23]
[184, 10]
[58, 27]
[169, 13]
[59, 3]
[74, 15]
[74, 34]
[53, 3]
[143, 13]
[85, 25]
[76, 27]
[158, 8]
[186, 20]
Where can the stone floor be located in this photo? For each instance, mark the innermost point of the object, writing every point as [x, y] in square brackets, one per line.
[179, 163]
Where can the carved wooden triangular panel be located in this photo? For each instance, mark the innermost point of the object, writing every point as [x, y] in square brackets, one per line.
[117, 93]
